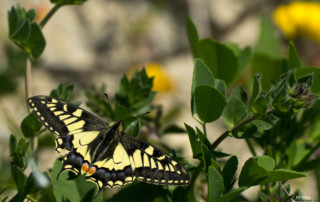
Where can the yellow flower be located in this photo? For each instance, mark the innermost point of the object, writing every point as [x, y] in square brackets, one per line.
[299, 19]
[162, 82]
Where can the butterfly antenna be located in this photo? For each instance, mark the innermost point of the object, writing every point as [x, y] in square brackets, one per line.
[133, 117]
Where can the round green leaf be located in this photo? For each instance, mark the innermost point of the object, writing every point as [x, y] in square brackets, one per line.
[209, 103]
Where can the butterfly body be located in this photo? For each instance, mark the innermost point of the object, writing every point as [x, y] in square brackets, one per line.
[108, 156]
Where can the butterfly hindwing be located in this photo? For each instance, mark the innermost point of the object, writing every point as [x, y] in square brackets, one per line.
[73, 125]
[152, 165]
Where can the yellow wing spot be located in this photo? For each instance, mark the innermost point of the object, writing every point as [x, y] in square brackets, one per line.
[146, 161]
[148, 179]
[75, 126]
[65, 108]
[128, 179]
[46, 123]
[176, 181]
[171, 168]
[62, 117]
[149, 150]
[83, 150]
[160, 166]
[118, 183]
[170, 181]
[42, 119]
[67, 166]
[179, 172]
[75, 132]
[59, 141]
[120, 157]
[181, 181]
[155, 180]
[54, 101]
[30, 101]
[51, 105]
[59, 150]
[161, 157]
[187, 181]
[84, 138]
[38, 113]
[42, 102]
[100, 184]
[137, 158]
[55, 132]
[57, 113]
[50, 128]
[109, 164]
[52, 108]
[78, 112]
[167, 168]
[174, 163]
[153, 165]
[163, 181]
[35, 109]
[140, 178]
[110, 183]
[68, 121]
[133, 167]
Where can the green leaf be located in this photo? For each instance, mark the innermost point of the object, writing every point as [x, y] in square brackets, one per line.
[193, 37]
[30, 126]
[22, 33]
[194, 142]
[266, 162]
[296, 152]
[36, 43]
[240, 93]
[230, 196]
[209, 103]
[262, 125]
[268, 42]
[18, 176]
[68, 2]
[133, 128]
[316, 77]
[244, 58]
[234, 112]
[12, 144]
[81, 189]
[31, 14]
[282, 175]
[229, 172]
[252, 173]
[294, 59]
[183, 194]
[207, 156]
[27, 188]
[256, 90]
[173, 129]
[63, 92]
[270, 68]
[140, 192]
[220, 59]
[215, 184]
[260, 105]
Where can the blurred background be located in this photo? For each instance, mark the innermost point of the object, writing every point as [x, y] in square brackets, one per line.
[98, 42]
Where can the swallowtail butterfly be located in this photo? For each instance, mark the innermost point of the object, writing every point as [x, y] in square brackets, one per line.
[108, 156]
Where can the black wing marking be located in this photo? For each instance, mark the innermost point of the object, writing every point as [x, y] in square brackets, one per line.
[73, 125]
[152, 165]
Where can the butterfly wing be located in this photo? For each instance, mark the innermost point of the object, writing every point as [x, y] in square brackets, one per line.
[76, 129]
[130, 158]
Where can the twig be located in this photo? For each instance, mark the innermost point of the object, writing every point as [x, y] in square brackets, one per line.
[49, 15]
[28, 78]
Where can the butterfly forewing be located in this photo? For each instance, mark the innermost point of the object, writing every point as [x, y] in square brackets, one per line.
[110, 157]
[73, 125]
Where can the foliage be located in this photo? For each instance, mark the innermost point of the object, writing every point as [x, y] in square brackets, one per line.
[278, 115]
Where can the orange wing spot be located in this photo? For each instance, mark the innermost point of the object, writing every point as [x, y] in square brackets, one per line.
[92, 170]
[85, 167]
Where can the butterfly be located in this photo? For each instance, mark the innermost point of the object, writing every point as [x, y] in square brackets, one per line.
[109, 157]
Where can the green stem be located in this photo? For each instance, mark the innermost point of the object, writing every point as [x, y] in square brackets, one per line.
[204, 129]
[28, 78]
[251, 148]
[236, 127]
[49, 15]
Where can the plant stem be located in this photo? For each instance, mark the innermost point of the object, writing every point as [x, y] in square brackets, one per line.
[49, 15]
[236, 127]
[251, 148]
[28, 78]
[204, 129]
